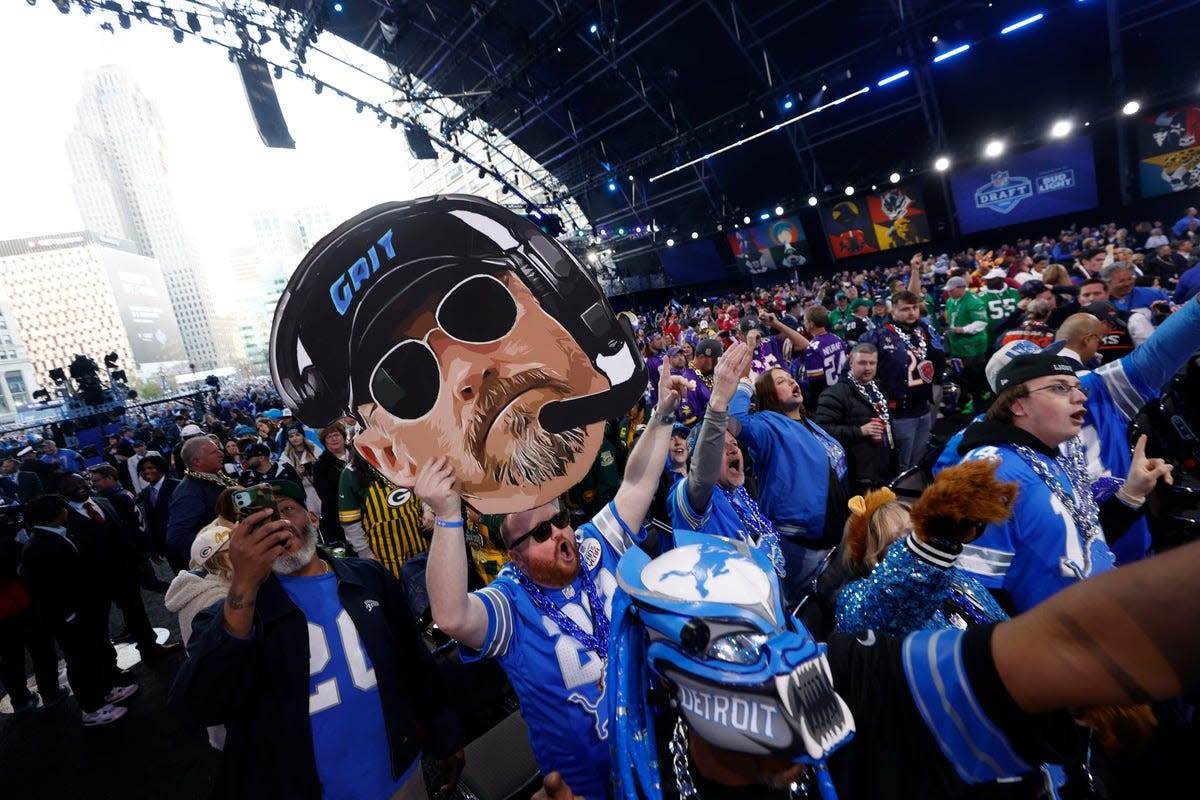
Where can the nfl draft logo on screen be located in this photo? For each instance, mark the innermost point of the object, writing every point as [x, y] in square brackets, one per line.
[1003, 192]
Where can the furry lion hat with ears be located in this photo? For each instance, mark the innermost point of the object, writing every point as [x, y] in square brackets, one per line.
[962, 501]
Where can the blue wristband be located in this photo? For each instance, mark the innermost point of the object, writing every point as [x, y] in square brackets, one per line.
[447, 523]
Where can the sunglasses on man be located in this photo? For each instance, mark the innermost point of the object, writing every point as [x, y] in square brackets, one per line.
[542, 532]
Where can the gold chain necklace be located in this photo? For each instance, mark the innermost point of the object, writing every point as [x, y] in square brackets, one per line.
[220, 479]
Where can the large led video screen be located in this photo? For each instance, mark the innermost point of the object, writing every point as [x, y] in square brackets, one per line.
[1055, 179]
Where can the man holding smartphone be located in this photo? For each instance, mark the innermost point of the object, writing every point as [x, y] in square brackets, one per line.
[310, 646]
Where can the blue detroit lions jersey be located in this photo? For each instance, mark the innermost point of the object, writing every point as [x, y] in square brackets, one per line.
[349, 735]
[1039, 550]
[559, 683]
[1116, 393]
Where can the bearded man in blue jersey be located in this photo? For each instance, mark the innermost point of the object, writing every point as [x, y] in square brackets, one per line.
[545, 617]
[315, 666]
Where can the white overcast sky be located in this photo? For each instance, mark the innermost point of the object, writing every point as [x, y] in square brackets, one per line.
[220, 168]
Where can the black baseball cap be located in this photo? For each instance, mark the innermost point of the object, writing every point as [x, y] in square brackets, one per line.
[256, 449]
[1032, 288]
[710, 347]
[1032, 365]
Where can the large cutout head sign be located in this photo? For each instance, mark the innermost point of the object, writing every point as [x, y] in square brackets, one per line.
[451, 326]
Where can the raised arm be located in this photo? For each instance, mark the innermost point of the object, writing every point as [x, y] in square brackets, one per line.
[799, 340]
[914, 274]
[1122, 637]
[645, 463]
[460, 614]
[710, 448]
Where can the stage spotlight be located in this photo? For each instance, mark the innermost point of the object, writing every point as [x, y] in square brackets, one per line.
[764, 216]
[1131, 108]
[358, 107]
[695, 235]
[1060, 128]
[278, 72]
[849, 191]
[319, 87]
[178, 36]
[812, 200]
[993, 148]
[124, 20]
[482, 173]
[620, 231]
[670, 242]
[894, 177]
[594, 28]
[193, 21]
[942, 164]
[746, 220]
[779, 211]
[612, 186]
[454, 158]
[603, 232]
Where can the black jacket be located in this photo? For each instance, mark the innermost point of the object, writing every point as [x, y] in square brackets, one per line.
[128, 515]
[259, 688]
[326, 473]
[61, 576]
[44, 473]
[842, 412]
[155, 515]
[25, 485]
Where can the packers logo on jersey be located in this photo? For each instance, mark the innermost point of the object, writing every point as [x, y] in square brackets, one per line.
[399, 497]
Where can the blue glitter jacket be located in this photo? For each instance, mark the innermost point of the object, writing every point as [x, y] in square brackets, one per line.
[915, 587]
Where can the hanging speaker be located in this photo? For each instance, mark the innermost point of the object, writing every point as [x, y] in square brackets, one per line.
[264, 103]
[418, 142]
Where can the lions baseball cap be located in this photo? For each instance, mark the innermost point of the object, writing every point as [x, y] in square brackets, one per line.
[1032, 365]
[1006, 354]
[212, 539]
[957, 282]
[710, 347]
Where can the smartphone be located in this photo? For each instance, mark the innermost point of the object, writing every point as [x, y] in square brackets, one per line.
[253, 499]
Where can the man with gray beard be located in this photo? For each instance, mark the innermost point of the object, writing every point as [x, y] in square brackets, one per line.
[315, 666]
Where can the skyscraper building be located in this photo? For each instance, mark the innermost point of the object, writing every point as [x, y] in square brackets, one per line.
[74, 293]
[118, 156]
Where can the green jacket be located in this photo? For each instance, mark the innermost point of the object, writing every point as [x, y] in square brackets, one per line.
[967, 312]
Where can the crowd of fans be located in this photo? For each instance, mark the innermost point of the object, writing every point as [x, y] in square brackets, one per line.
[778, 417]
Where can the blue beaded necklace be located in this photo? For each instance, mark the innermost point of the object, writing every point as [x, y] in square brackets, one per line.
[762, 532]
[597, 641]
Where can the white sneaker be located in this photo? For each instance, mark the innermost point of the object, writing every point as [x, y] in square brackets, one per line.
[103, 715]
[120, 693]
